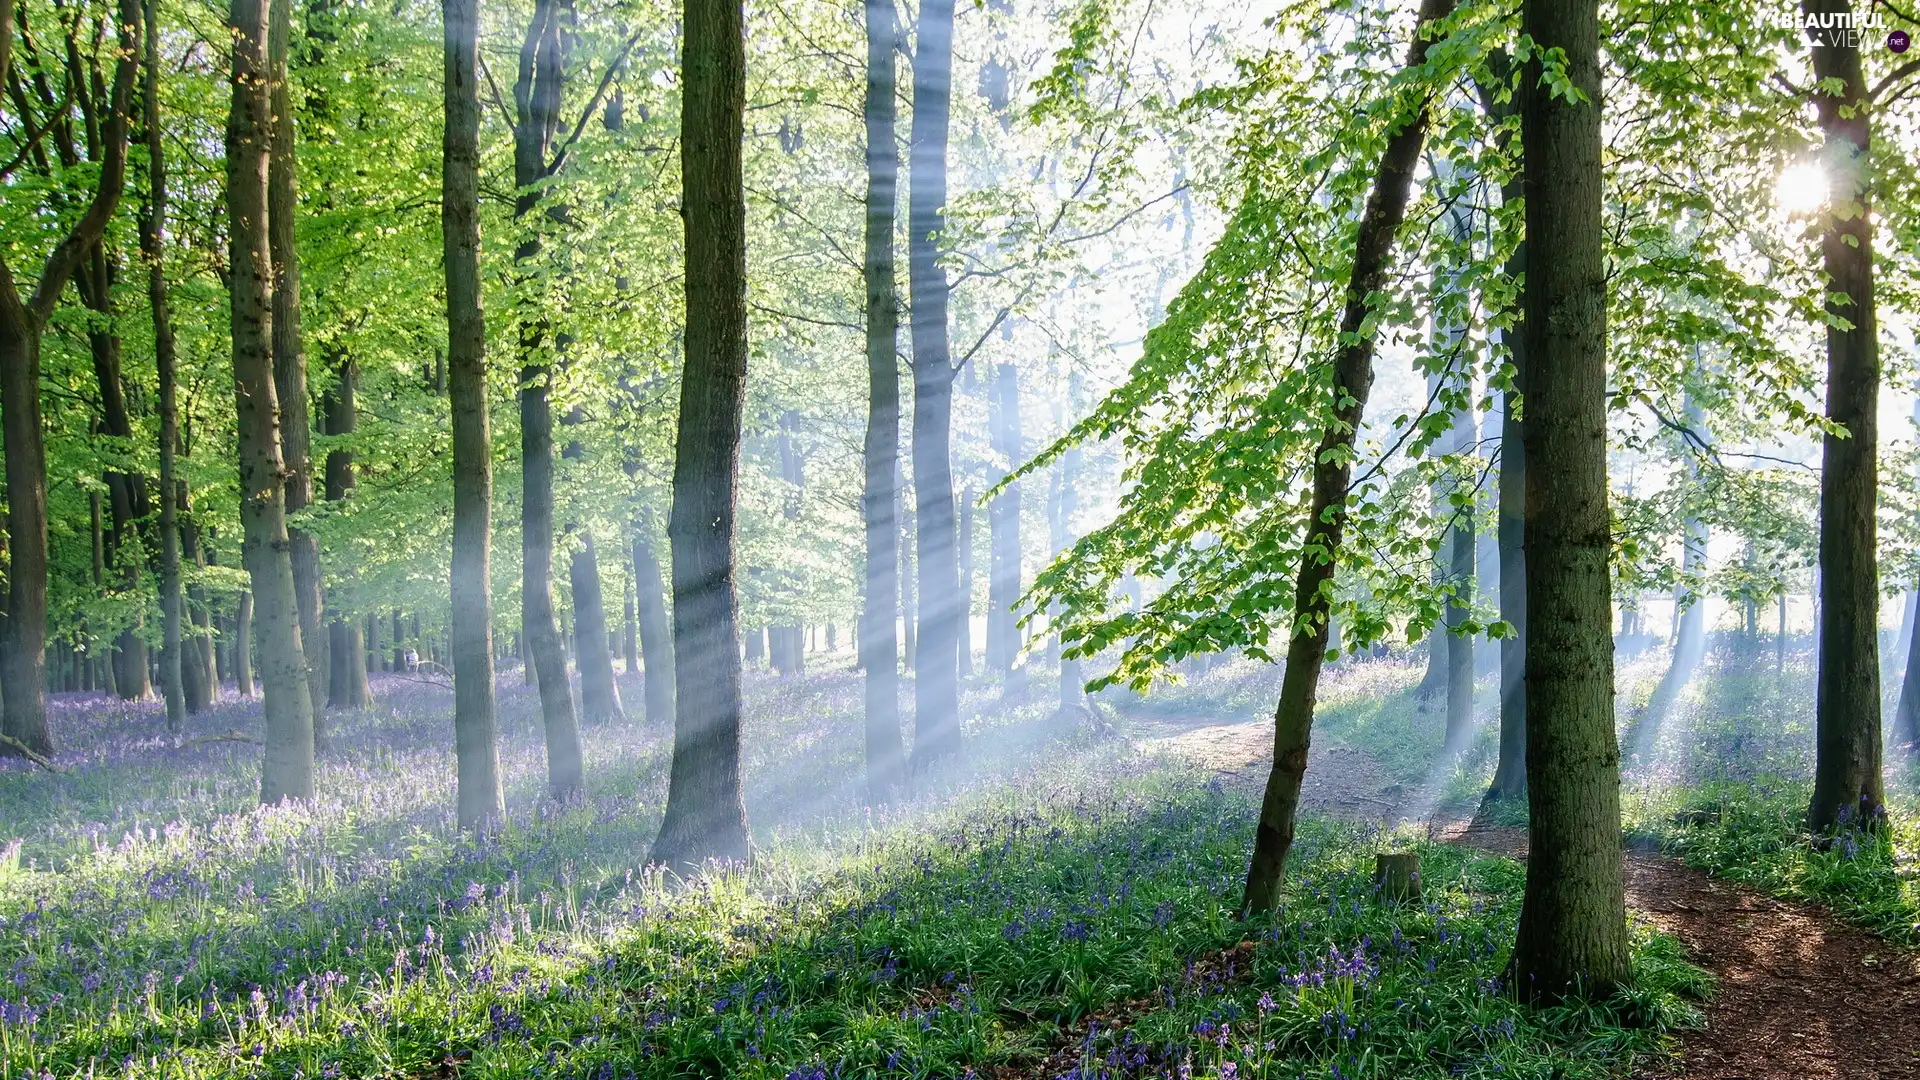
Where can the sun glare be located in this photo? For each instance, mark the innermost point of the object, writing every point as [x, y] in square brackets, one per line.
[1801, 189]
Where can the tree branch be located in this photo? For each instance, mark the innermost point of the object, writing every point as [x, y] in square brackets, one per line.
[1893, 77]
[586, 114]
[22, 748]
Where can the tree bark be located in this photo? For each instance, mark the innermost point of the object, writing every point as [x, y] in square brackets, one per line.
[537, 96]
[656, 639]
[706, 817]
[1847, 784]
[599, 695]
[287, 766]
[199, 681]
[1332, 472]
[243, 645]
[346, 653]
[153, 231]
[1572, 938]
[476, 727]
[936, 685]
[1510, 774]
[629, 629]
[290, 361]
[23, 660]
[1003, 523]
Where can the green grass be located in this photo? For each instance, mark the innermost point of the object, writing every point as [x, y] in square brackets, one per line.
[1754, 833]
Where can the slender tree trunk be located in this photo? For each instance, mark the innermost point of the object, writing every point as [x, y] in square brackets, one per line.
[537, 97]
[1332, 471]
[347, 659]
[1847, 785]
[287, 767]
[706, 818]
[1573, 929]
[909, 593]
[290, 362]
[1003, 523]
[655, 637]
[153, 231]
[630, 630]
[23, 658]
[1510, 774]
[199, 683]
[599, 695]
[243, 645]
[112, 655]
[965, 648]
[475, 724]
[936, 686]
[1073, 684]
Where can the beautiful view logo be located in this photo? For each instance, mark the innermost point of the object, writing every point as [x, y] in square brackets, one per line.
[1841, 29]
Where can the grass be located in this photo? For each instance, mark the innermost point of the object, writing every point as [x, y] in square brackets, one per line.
[1064, 899]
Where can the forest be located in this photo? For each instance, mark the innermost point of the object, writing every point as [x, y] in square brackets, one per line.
[1021, 540]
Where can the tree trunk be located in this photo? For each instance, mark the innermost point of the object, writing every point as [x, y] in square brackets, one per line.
[346, 657]
[23, 659]
[599, 695]
[1573, 930]
[1003, 523]
[287, 766]
[199, 681]
[706, 817]
[1847, 785]
[1073, 684]
[153, 229]
[909, 594]
[1332, 471]
[290, 363]
[112, 655]
[243, 645]
[630, 630]
[964, 650]
[476, 728]
[1510, 774]
[936, 686]
[537, 98]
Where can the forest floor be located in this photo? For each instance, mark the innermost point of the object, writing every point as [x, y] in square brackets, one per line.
[1801, 996]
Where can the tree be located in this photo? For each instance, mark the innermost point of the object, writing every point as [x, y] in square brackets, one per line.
[599, 696]
[1846, 782]
[656, 636]
[1332, 475]
[706, 818]
[879, 645]
[23, 681]
[1572, 937]
[287, 766]
[475, 727]
[1003, 522]
[537, 97]
[346, 645]
[290, 360]
[153, 233]
[936, 687]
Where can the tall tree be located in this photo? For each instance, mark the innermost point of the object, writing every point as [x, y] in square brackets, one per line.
[290, 359]
[1332, 473]
[1573, 926]
[1003, 522]
[1846, 779]
[153, 233]
[599, 694]
[537, 95]
[475, 727]
[1510, 769]
[706, 818]
[656, 637]
[287, 766]
[346, 646]
[936, 686]
[23, 678]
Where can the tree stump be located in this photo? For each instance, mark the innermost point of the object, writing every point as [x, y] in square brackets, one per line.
[1397, 876]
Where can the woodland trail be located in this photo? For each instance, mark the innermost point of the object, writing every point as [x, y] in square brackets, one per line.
[1802, 996]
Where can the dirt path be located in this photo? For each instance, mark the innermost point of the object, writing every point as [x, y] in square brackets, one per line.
[1802, 996]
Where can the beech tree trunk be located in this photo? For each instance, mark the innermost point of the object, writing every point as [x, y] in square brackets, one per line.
[23, 658]
[1003, 523]
[1572, 938]
[476, 727]
[629, 630]
[153, 231]
[599, 695]
[1510, 773]
[1847, 785]
[1332, 471]
[656, 639]
[346, 648]
[936, 686]
[199, 681]
[706, 817]
[537, 97]
[290, 363]
[287, 765]
[243, 645]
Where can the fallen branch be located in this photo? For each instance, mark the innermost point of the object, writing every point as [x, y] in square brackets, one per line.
[29, 753]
